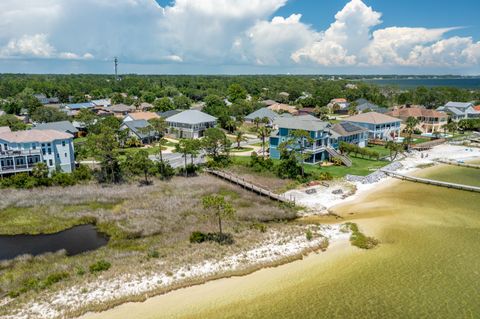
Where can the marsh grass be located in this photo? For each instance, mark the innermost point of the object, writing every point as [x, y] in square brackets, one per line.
[149, 229]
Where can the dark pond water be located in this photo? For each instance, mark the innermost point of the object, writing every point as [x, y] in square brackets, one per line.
[75, 240]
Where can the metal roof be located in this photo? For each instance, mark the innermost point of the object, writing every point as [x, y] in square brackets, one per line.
[261, 113]
[62, 126]
[79, 106]
[191, 117]
[136, 126]
[459, 105]
[302, 122]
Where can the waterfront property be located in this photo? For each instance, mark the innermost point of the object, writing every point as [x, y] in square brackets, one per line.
[61, 126]
[21, 150]
[380, 126]
[190, 124]
[430, 121]
[324, 140]
[349, 133]
[460, 111]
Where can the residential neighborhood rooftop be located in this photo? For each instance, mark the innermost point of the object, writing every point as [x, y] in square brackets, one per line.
[191, 117]
[262, 113]
[348, 129]
[62, 126]
[143, 115]
[34, 135]
[302, 122]
[372, 117]
[416, 112]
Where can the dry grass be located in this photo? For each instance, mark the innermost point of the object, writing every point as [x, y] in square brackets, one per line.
[140, 220]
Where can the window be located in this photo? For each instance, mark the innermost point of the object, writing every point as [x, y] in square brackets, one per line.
[34, 146]
[50, 162]
[66, 155]
[58, 155]
[49, 151]
[43, 151]
[63, 143]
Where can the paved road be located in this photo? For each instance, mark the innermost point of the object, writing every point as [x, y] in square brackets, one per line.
[176, 160]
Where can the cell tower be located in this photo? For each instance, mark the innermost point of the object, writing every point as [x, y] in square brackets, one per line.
[115, 60]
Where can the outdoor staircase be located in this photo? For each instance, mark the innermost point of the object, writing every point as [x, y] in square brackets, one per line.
[334, 153]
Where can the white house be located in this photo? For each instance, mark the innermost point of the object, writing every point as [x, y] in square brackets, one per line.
[21, 150]
[190, 123]
[380, 126]
[460, 111]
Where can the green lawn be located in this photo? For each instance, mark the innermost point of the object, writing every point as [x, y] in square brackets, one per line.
[240, 150]
[380, 149]
[359, 166]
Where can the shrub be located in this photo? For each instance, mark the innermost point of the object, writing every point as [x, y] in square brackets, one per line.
[223, 239]
[99, 266]
[165, 170]
[191, 170]
[359, 239]
[22, 180]
[153, 254]
[260, 227]
[337, 161]
[63, 179]
[260, 164]
[309, 235]
[82, 173]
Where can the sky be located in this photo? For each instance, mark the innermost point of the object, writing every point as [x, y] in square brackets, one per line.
[240, 36]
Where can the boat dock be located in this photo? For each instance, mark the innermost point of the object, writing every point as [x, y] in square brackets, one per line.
[249, 186]
[459, 164]
[432, 182]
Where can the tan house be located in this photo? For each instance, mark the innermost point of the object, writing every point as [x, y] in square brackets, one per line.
[136, 116]
[430, 121]
[283, 108]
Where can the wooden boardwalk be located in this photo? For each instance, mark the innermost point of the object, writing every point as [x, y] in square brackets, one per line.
[428, 145]
[433, 182]
[249, 186]
[459, 164]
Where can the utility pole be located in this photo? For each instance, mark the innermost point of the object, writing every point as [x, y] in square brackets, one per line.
[115, 60]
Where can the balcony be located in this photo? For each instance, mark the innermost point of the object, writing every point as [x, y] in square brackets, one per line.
[13, 161]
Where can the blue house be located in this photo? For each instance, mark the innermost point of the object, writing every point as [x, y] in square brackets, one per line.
[380, 126]
[325, 138]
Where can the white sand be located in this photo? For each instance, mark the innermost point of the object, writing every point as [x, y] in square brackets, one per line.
[277, 247]
[323, 199]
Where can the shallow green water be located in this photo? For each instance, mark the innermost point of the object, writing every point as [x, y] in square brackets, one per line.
[427, 266]
[454, 174]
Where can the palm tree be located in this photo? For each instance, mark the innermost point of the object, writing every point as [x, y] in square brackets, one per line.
[257, 121]
[239, 138]
[412, 123]
[263, 132]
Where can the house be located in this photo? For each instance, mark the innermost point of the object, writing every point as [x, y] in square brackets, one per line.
[190, 123]
[283, 108]
[380, 126]
[268, 102]
[349, 133]
[140, 116]
[21, 150]
[460, 111]
[320, 149]
[306, 111]
[430, 121]
[262, 113]
[144, 106]
[136, 129]
[102, 102]
[43, 99]
[338, 105]
[79, 106]
[120, 110]
[364, 106]
[168, 113]
[61, 126]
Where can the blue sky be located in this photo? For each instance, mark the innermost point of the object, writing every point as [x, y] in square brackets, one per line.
[241, 36]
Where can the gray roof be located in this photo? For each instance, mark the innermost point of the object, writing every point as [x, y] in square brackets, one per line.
[451, 109]
[347, 129]
[459, 105]
[367, 105]
[168, 113]
[302, 122]
[261, 113]
[191, 117]
[62, 126]
[121, 108]
[136, 126]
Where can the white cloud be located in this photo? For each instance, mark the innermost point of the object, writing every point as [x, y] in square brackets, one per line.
[349, 41]
[219, 32]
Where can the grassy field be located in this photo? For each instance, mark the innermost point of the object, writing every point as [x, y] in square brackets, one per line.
[240, 150]
[359, 166]
[142, 222]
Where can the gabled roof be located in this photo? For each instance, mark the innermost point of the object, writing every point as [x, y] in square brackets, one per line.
[136, 127]
[143, 115]
[348, 129]
[62, 126]
[168, 113]
[451, 109]
[39, 136]
[79, 106]
[302, 122]
[277, 107]
[372, 118]
[121, 108]
[459, 105]
[367, 105]
[416, 112]
[102, 102]
[261, 113]
[191, 117]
